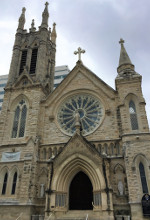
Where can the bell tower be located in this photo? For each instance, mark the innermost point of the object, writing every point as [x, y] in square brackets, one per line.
[34, 53]
[131, 107]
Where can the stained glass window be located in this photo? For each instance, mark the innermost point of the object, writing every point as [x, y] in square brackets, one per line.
[4, 184]
[23, 121]
[143, 178]
[16, 122]
[19, 120]
[14, 184]
[133, 115]
[89, 109]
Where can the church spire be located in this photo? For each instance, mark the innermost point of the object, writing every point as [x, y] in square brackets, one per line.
[22, 19]
[45, 16]
[124, 60]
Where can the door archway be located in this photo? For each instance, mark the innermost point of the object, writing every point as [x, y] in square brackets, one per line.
[80, 193]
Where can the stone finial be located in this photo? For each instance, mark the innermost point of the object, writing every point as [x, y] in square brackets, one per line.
[124, 60]
[22, 19]
[79, 51]
[45, 16]
[54, 34]
[32, 29]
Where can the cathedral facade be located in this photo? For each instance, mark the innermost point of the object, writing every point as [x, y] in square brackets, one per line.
[81, 151]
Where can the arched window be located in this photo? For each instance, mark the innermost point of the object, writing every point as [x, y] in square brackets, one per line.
[133, 115]
[19, 120]
[55, 151]
[99, 148]
[111, 149]
[50, 152]
[44, 154]
[143, 178]
[14, 184]
[105, 149]
[5, 184]
[23, 61]
[33, 60]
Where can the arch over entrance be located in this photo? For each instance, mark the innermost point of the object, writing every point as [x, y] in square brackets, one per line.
[80, 192]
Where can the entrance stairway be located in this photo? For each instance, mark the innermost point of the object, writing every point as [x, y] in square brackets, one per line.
[84, 215]
[77, 215]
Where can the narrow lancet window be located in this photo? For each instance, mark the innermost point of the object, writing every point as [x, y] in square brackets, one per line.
[18, 129]
[133, 116]
[33, 61]
[143, 178]
[4, 184]
[16, 122]
[14, 184]
[23, 121]
[23, 61]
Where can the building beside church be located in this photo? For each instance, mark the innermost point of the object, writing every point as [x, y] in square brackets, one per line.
[79, 151]
[60, 73]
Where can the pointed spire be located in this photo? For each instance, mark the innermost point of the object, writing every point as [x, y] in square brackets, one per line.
[22, 19]
[32, 29]
[124, 61]
[45, 16]
[54, 34]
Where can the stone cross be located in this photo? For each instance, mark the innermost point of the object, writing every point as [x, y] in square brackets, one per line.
[121, 41]
[79, 51]
[46, 4]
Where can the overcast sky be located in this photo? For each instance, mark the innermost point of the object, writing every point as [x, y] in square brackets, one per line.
[94, 25]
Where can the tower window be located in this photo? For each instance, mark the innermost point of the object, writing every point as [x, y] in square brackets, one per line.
[133, 116]
[143, 178]
[33, 61]
[19, 120]
[23, 61]
[4, 184]
[14, 184]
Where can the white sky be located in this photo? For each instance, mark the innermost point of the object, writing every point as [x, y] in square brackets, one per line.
[94, 25]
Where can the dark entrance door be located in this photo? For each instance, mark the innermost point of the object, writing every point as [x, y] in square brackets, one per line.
[80, 193]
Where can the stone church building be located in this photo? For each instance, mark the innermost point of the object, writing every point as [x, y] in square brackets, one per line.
[81, 151]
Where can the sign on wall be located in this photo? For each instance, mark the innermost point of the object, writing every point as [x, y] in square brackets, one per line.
[10, 156]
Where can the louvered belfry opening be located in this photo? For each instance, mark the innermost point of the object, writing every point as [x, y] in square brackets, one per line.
[33, 61]
[81, 193]
[23, 61]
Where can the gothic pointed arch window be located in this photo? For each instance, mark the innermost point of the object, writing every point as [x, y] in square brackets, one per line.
[133, 115]
[20, 114]
[23, 60]
[33, 60]
[143, 178]
[14, 183]
[5, 184]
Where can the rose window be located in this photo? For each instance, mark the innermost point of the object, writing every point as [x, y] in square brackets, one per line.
[89, 109]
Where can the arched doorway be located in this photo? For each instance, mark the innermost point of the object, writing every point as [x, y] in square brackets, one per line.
[80, 193]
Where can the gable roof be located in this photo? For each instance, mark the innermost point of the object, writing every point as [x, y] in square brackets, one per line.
[79, 67]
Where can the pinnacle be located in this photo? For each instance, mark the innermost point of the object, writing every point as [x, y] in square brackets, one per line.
[54, 34]
[45, 16]
[22, 20]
